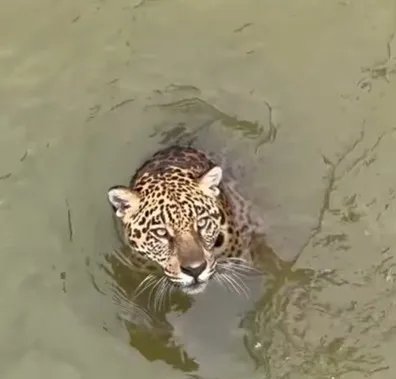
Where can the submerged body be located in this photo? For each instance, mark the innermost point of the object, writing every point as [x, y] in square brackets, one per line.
[180, 214]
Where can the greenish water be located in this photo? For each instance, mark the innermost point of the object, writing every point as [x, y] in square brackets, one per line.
[298, 96]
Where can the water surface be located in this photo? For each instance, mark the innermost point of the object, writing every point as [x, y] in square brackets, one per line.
[299, 96]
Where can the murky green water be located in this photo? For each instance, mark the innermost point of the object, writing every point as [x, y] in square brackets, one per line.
[299, 96]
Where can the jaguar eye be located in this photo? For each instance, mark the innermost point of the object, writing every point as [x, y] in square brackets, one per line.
[201, 223]
[160, 232]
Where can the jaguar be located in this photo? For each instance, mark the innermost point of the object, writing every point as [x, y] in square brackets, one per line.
[182, 217]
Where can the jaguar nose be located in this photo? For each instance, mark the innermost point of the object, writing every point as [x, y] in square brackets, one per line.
[194, 270]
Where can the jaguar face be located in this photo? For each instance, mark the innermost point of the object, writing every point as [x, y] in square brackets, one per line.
[174, 222]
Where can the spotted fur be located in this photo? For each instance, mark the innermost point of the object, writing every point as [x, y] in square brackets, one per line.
[180, 214]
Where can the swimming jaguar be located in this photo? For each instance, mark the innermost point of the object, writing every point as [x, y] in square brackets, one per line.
[182, 215]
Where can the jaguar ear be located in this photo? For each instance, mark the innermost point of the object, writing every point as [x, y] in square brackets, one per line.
[123, 200]
[210, 181]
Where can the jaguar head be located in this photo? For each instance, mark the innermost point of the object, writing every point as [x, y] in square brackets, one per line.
[174, 221]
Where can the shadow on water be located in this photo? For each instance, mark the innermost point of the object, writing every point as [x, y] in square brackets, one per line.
[155, 339]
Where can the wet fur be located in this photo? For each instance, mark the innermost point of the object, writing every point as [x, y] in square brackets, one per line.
[166, 186]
